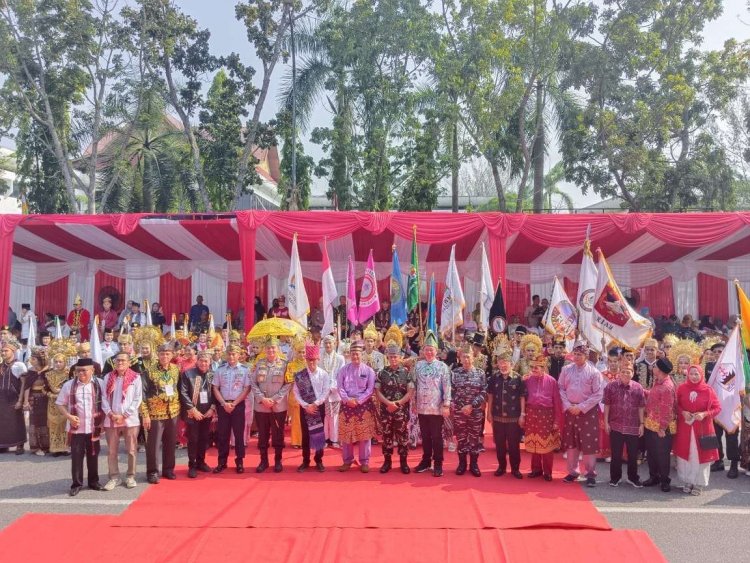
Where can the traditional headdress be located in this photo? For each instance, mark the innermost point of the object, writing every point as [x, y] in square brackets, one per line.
[271, 341]
[150, 335]
[531, 340]
[371, 333]
[394, 340]
[581, 346]
[687, 348]
[357, 346]
[650, 342]
[125, 339]
[430, 339]
[312, 351]
[558, 340]
[711, 341]
[77, 300]
[670, 339]
[539, 360]
[501, 348]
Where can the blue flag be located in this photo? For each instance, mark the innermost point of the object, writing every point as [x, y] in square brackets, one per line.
[398, 298]
[431, 307]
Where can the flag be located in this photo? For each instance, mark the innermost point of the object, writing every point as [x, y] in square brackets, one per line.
[172, 328]
[296, 299]
[412, 285]
[486, 293]
[351, 295]
[369, 302]
[329, 293]
[58, 329]
[398, 299]
[211, 325]
[96, 345]
[498, 322]
[744, 306]
[31, 339]
[613, 315]
[149, 321]
[452, 310]
[431, 306]
[728, 381]
[585, 299]
[561, 316]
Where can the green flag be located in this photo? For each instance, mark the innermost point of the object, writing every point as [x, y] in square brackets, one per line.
[412, 288]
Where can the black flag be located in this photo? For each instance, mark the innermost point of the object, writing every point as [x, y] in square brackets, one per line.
[498, 321]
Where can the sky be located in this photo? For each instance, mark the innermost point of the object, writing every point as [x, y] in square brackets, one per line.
[228, 35]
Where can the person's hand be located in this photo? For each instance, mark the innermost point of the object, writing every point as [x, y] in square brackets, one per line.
[488, 417]
[699, 416]
[640, 430]
[606, 427]
[575, 411]
[352, 402]
[521, 420]
[147, 423]
[74, 421]
[466, 410]
[311, 409]
[391, 407]
[266, 402]
[688, 416]
[118, 419]
[229, 407]
[446, 411]
[196, 414]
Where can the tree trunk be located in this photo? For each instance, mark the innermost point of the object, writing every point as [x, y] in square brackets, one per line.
[501, 203]
[454, 168]
[537, 151]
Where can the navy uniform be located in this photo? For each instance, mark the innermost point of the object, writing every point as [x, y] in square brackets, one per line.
[469, 387]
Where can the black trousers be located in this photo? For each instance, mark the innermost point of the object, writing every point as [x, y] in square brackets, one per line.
[162, 432]
[733, 446]
[82, 446]
[197, 436]
[658, 455]
[618, 440]
[431, 427]
[507, 436]
[233, 423]
[306, 435]
[270, 426]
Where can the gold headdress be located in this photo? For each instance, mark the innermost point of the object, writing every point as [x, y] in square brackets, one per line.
[670, 339]
[685, 347]
[371, 332]
[706, 343]
[500, 347]
[394, 335]
[63, 346]
[532, 340]
[148, 335]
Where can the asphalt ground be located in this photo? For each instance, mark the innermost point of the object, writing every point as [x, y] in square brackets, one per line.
[712, 527]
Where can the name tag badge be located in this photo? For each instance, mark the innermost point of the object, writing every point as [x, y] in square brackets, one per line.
[169, 390]
[204, 396]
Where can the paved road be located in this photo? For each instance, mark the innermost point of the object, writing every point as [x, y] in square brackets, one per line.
[687, 529]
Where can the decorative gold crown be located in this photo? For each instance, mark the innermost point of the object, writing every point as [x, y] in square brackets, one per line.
[394, 335]
[685, 347]
[532, 340]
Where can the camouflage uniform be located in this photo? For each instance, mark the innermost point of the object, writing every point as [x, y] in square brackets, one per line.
[394, 385]
[469, 388]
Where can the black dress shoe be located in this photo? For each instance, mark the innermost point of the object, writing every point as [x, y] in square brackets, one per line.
[204, 467]
[169, 475]
[277, 467]
[650, 482]
[534, 474]
[319, 466]
[192, 472]
[153, 478]
[219, 468]
[20, 450]
[666, 487]
[499, 472]
[548, 477]
[96, 487]
[239, 468]
[423, 466]
[516, 474]
[304, 465]
[717, 465]
[437, 471]
[74, 491]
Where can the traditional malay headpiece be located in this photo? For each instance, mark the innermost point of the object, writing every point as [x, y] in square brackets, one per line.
[501, 348]
[686, 348]
[371, 333]
[581, 346]
[312, 351]
[664, 365]
[539, 360]
[430, 339]
[357, 346]
[531, 340]
[394, 340]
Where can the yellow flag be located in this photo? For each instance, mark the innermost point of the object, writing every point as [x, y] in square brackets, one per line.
[744, 303]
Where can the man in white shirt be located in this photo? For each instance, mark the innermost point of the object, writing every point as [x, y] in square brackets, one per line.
[123, 394]
[311, 388]
[332, 362]
[80, 402]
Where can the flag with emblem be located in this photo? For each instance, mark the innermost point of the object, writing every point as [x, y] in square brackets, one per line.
[452, 310]
[398, 299]
[561, 316]
[486, 293]
[431, 308]
[587, 278]
[412, 285]
[369, 302]
[297, 301]
[728, 382]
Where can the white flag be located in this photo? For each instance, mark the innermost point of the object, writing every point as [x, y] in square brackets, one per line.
[728, 381]
[561, 316]
[58, 329]
[613, 315]
[96, 345]
[451, 314]
[585, 300]
[147, 307]
[31, 340]
[329, 294]
[486, 293]
[296, 299]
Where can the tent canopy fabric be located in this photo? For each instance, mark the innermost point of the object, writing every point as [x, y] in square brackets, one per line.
[642, 249]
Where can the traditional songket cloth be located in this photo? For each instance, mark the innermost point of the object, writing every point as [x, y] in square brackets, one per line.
[12, 424]
[394, 385]
[38, 405]
[468, 387]
[543, 410]
[582, 387]
[693, 462]
[58, 437]
[312, 389]
[357, 423]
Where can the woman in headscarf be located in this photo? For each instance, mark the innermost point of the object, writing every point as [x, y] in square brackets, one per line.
[543, 411]
[697, 405]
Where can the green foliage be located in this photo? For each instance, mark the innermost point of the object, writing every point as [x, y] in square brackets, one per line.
[299, 199]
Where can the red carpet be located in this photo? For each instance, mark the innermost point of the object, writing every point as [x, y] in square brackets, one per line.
[340, 517]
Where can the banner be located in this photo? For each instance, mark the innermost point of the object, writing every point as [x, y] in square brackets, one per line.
[412, 285]
[369, 302]
[613, 315]
[96, 345]
[398, 298]
[486, 293]
[297, 301]
[561, 316]
[329, 294]
[498, 317]
[728, 381]
[431, 308]
[452, 310]
[585, 299]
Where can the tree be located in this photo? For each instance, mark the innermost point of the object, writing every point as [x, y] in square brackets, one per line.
[423, 174]
[300, 199]
[650, 94]
[172, 43]
[59, 61]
